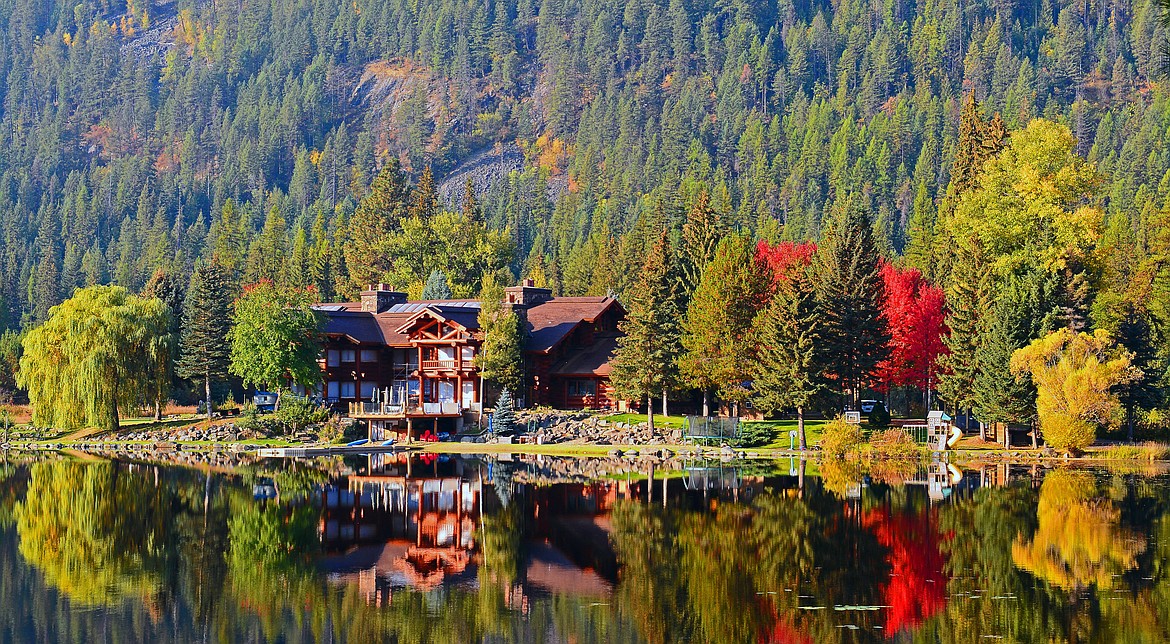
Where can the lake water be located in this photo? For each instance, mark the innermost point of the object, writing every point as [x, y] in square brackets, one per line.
[379, 548]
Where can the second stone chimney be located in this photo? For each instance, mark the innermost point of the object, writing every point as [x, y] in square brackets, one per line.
[378, 298]
[527, 295]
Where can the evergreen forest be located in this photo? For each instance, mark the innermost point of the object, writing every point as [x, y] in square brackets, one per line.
[331, 145]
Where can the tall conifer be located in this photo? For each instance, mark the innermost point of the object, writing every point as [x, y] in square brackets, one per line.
[646, 354]
[850, 292]
[204, 352]
[788, 367]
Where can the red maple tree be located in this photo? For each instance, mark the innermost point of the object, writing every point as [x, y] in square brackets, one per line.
[785, 256]
[915, 313]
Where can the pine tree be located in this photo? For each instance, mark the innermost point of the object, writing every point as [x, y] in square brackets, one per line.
[204, 352]
[436, 287]
[643, 363]
[426, 197]
[997, 396]
[380, 212]
[850, 294]
[968, 294]
[1135, 334]
[471, 208]
[504, 416]
[716, 333]
[788, 366]
[700, 236]
[969, 151]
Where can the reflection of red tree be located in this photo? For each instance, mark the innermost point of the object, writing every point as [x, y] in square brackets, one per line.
[782, 631]
[917, 586]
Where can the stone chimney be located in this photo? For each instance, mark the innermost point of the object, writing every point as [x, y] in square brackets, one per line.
[378, 298]
[527, 295]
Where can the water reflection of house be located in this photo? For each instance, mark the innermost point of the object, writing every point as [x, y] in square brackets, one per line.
[401, 525]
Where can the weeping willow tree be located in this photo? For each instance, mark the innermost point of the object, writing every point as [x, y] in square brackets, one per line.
[100, 351]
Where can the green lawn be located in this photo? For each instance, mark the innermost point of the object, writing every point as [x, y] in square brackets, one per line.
[812, 431]
[673, 422]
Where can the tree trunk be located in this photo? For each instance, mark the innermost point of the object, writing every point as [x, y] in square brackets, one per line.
[207, 392]
[982, 431]
[650, 412]
[706, 404]
[1007, 436]
[800, 427]
[664, 412]
[1129, 419]
[1035, 438]
[279, 391]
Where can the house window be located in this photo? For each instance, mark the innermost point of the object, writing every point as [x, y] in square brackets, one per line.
[369, 355]
[348, 355]
[468, 355]
[333, 358]
[368, 390]
[348, 389]
[333, 389]
[579, 388]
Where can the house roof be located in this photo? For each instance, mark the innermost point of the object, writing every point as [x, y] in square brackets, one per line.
[589, 361]
[466, 317]
[548, 323]
[367, 328]
[551, 321]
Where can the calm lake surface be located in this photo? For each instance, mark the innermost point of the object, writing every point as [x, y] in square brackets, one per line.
[382, 548]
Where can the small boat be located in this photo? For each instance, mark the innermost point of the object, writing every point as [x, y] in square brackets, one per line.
[388, 443]
[358, 442]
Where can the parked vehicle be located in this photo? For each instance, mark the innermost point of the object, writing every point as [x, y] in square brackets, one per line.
[265, 401]
[868, 405]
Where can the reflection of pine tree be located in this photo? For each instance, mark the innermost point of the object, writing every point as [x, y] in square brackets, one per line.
[502, 481]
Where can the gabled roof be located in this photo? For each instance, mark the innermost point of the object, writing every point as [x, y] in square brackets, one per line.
[465, 317]
[550, 322]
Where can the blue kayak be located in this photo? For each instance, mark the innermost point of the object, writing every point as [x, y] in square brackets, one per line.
[358, 442]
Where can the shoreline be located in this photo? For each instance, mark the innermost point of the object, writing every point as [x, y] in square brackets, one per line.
[581, 450]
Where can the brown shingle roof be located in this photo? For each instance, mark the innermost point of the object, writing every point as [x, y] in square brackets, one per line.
[550, 322]
[367, 328]
[592, 360]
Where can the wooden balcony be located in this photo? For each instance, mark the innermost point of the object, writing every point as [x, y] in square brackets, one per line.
[439, 365]
[409, 410]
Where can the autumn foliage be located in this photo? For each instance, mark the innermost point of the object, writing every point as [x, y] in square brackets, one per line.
[915, 314]
[917, 586]
[785, 256]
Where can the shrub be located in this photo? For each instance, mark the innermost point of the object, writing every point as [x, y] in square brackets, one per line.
[1066, 433]
[838, 438]
[893, 443]
[297, 413]
[879, 418]
[755, 434]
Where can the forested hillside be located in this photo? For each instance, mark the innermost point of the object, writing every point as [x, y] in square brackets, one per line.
[139, 134]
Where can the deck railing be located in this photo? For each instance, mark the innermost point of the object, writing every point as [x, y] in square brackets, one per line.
[438, 364]
[401, 411]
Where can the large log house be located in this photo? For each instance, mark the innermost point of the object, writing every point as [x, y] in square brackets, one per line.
[409, 366]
